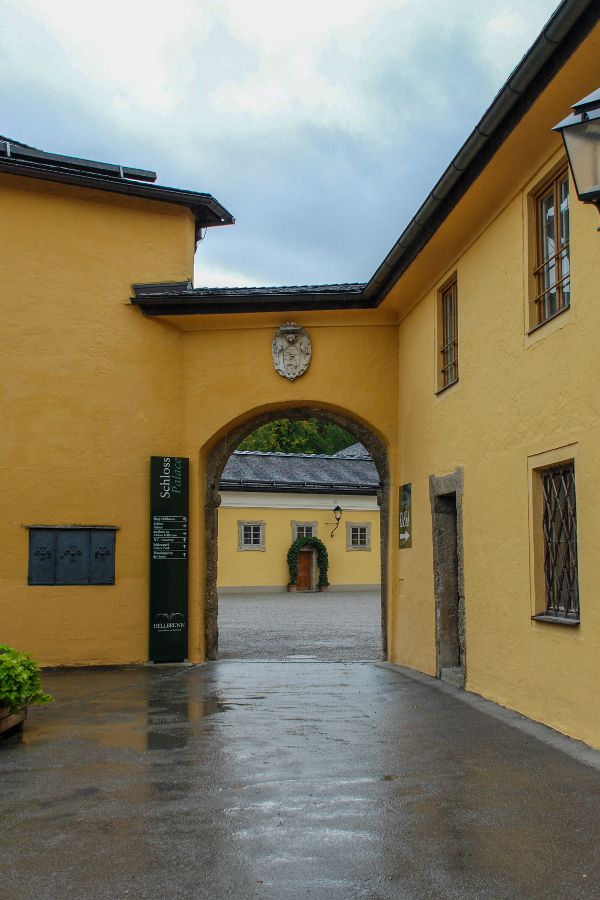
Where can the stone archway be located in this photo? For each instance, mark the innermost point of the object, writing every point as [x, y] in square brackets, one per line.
[215, 464]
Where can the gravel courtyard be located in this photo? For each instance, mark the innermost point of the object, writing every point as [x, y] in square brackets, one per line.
[340, 627]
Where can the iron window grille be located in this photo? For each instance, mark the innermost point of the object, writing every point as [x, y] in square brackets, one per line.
[449, 336]
[560, 542]
[552, 271]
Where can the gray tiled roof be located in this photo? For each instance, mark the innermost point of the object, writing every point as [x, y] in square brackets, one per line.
[181, 299]
[299, 473]
[354, 450]
[177, 288]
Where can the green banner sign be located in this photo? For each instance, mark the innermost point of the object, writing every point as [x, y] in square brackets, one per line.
[405, 516]
[169, 507]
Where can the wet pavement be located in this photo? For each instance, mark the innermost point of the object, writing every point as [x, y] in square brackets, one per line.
[329, 626]
[242, 779]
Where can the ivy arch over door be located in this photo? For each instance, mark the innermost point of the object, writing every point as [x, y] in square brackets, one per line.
[215, 463]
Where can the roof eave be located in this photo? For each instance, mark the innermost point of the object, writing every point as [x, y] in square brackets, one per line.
[180, 299]
[207, 211]
[283, 488]
[182, 305]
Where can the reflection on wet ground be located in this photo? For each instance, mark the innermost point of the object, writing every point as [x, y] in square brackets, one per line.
[287, 780]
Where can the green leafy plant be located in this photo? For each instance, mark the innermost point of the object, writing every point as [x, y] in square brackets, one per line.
[305, 436]
[20, 683]
[322, 558]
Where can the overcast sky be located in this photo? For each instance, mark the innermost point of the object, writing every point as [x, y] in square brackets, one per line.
[321, 125]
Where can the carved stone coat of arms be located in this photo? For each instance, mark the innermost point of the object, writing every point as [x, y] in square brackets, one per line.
[291, 350]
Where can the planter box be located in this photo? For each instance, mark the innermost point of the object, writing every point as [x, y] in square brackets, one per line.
[11, 722]
[323, 588]
[292, 588]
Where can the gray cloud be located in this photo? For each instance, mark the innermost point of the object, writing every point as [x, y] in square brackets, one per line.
[320, 186]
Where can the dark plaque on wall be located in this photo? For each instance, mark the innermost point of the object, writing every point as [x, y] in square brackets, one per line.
[168, 558]
[405, 516]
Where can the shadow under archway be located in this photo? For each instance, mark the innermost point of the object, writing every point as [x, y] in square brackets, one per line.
[215, 464]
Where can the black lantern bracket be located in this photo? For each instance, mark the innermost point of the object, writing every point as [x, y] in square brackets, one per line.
[337, 512]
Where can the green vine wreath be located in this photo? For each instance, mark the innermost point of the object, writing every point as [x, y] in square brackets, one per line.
[322, 558]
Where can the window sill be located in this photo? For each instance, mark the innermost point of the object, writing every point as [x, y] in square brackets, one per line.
[70, 583]
[549, 319]
[446, 387]
[555, 620]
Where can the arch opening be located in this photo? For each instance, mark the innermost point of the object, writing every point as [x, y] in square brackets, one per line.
[215, 464]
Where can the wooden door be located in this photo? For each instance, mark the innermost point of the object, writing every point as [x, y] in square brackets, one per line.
[304, 580]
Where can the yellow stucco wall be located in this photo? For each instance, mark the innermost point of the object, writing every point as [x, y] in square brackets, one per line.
[512, 401]
[230, 379]
[518, 396]
[89, 391]
[268, 567]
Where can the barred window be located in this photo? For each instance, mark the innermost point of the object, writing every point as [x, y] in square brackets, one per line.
[303, 530]
[560, 541]
[448, 336]
[552, 264]
[251, 535]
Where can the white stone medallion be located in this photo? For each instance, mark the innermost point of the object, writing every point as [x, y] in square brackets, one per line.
[291, 350]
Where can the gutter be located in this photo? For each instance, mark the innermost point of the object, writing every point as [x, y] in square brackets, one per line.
[299, 488]
[181, 299]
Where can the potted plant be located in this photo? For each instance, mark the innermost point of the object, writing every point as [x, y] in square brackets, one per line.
[322, 561]
[20, 686]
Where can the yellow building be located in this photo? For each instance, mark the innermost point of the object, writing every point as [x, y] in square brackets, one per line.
[470, 374]
[269, 500]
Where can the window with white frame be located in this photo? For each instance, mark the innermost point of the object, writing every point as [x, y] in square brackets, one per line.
[303, 530]
[358, 536]
[251, 535]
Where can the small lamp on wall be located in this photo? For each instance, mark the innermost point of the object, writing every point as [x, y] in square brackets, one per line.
[581, 135]
[337, 512]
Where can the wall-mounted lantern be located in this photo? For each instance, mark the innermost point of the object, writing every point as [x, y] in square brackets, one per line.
[337, 512]
[581, 135]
